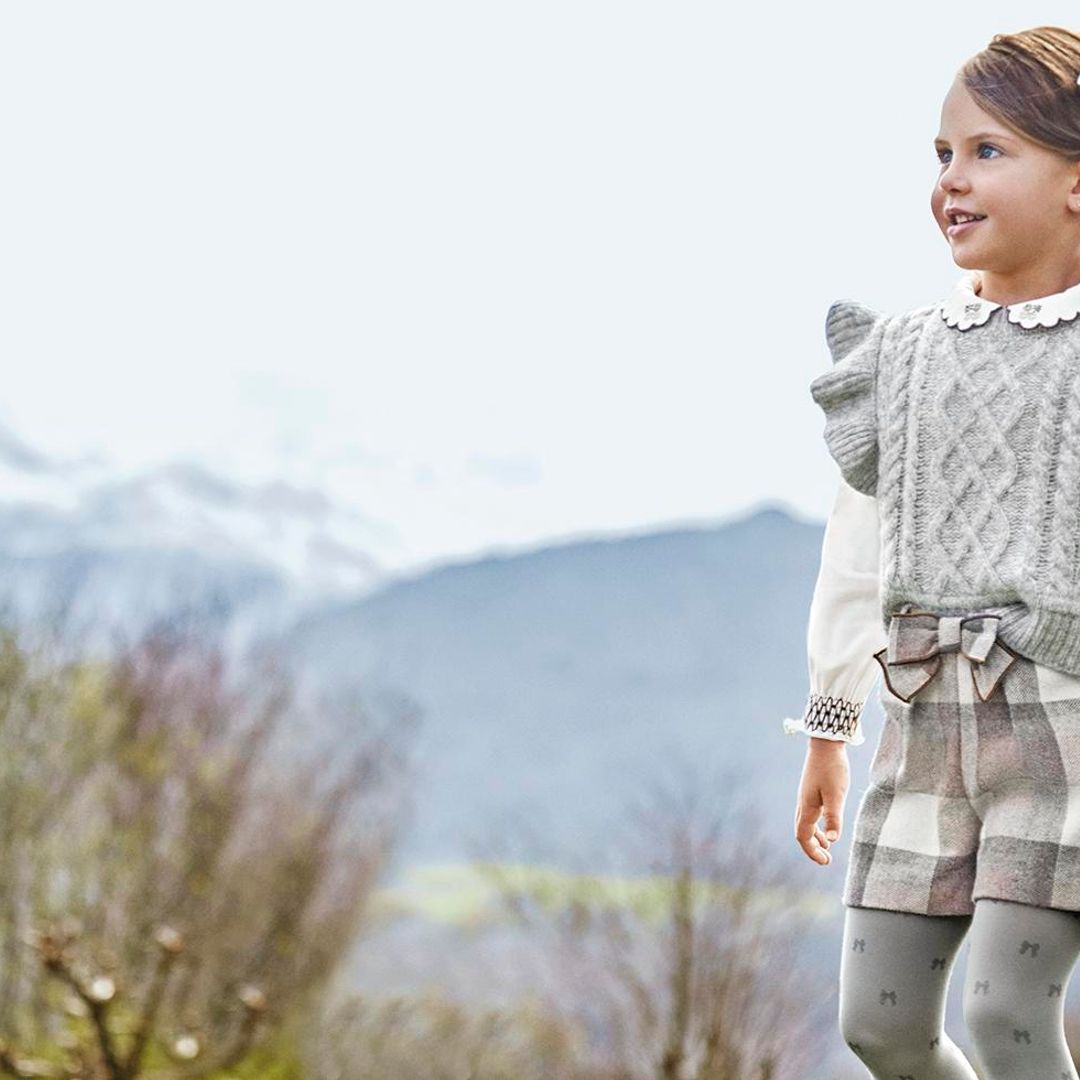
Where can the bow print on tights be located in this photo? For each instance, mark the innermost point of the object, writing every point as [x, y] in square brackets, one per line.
[917, 640]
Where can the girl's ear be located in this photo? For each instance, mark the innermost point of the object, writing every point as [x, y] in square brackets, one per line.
[1074, 201]
[847, 323]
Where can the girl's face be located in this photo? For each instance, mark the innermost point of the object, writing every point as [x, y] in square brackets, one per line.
[1030, 195]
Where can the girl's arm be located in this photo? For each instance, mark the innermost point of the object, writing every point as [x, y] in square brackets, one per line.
[845, 626]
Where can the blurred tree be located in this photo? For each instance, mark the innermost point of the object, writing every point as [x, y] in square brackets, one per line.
[185, 881]
[685, 970]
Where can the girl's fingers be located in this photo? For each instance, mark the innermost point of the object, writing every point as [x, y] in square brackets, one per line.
[815, 843]
[822, 853]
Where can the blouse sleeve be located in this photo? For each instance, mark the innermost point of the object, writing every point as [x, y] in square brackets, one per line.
[845, 627]
[847, 393]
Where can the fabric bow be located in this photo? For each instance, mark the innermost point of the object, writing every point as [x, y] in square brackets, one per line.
[917, 640]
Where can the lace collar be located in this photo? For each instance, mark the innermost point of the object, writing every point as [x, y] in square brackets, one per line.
[964, 308]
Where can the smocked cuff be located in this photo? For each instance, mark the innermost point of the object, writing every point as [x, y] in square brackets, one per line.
[827, 717]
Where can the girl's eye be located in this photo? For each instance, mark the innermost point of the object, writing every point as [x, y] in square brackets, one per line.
[988, 146]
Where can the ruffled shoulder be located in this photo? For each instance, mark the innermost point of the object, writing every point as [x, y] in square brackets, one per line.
[847, 323]
[847, 393]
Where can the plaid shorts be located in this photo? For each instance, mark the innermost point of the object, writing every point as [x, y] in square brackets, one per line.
[970, 798]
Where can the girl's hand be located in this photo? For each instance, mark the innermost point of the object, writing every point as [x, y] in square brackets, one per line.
[824, 784]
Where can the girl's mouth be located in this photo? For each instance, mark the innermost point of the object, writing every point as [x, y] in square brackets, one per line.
[962, 229]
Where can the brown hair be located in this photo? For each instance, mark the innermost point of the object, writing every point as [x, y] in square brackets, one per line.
[1028, 81]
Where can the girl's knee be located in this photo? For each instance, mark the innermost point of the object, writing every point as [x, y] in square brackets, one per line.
[879, 1039]
[891, 1051]
[986, 1015]
[999, 1034]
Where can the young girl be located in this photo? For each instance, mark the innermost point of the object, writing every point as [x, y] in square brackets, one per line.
[951, 567]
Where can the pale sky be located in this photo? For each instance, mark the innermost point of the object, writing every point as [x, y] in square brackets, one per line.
[494, 274]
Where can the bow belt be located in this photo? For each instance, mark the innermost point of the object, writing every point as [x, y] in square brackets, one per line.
[917, 640]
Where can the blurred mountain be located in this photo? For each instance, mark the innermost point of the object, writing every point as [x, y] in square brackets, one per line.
[557, 684]
[553, 684]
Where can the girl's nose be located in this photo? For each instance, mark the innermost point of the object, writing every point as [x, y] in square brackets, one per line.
[951, 178]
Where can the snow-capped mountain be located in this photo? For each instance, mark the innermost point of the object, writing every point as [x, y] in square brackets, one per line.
[48, 506]
[75, 533]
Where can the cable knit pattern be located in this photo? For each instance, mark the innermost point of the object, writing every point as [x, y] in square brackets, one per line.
[902, 338]
[979, 424]
[968, 433]
[1058, 564]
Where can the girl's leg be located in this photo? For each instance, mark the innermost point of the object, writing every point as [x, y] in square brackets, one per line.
[1017, 976]
[894, 974]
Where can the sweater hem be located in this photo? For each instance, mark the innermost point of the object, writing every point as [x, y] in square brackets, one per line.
[1044, 634]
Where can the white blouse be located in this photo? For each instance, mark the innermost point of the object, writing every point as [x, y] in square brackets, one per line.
[845, 626]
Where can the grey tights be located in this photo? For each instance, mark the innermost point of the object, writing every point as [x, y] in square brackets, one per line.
[894, 974]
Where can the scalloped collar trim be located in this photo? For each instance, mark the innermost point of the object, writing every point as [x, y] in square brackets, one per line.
[964, 308]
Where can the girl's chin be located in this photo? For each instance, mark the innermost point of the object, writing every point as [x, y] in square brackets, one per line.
[966, 261]
[959, 244]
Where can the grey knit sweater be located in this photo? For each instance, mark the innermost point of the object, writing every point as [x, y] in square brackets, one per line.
[967, 429]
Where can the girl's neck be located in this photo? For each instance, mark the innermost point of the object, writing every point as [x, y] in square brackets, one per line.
[1016, 288]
